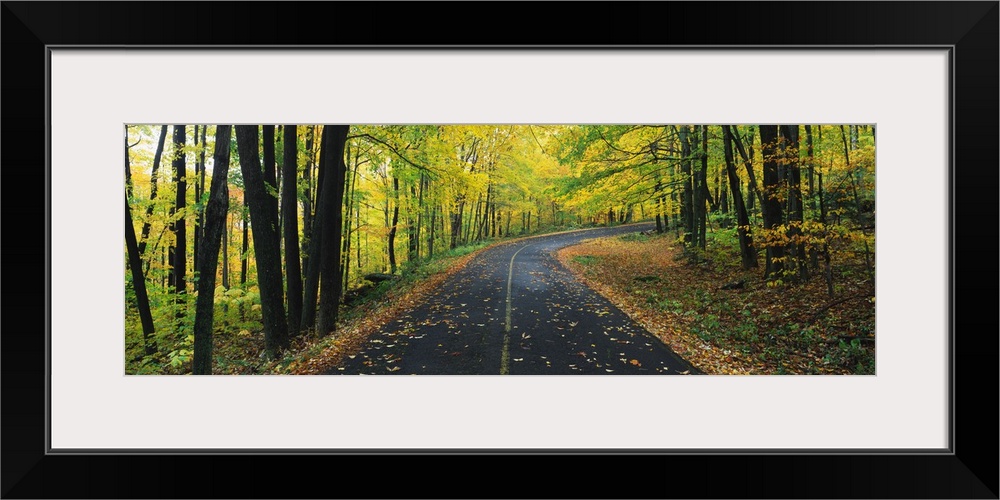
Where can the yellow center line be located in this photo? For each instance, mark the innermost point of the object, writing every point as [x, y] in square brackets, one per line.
[505, 354]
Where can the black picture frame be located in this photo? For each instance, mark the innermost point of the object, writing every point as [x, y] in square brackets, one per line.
[969, 470]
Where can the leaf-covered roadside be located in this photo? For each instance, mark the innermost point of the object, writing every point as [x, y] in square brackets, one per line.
[756, 329]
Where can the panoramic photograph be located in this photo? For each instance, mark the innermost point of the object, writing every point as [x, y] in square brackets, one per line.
[499, 249]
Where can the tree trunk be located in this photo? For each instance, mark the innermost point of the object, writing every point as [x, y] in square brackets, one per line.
[456, 225]
[810, 165]
[748, 163]
[723, 193]
[312, 257]
[307, 216]
[215, 222]
[266, 241]
[430, 235]
[392, 227]
[245, 252]
[331, 205]
[270, 169]
[687, 194]
[199, 187]
[152, 190]
[139, 283]
[705, 195]
[179, 260]
[290, 227]
[351, 191]
[772, 204]
[790, 141]
[225, 253]
[659, 207]
[748, 253]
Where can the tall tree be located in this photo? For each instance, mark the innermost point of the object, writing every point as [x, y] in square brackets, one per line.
[307, 214]
[790, 146]
[687, 194]
[215, 222]
[152, 190]
[811, 166]
[199, 188]
[138, 278]
[245, 241]
[331, 204]
[772, 199]
[748, 163]
[705, 197]
[748, 253]
[392, 228]
[315, 249]
[270, 169]
[178, 253]
[290, 227]
[266, 242]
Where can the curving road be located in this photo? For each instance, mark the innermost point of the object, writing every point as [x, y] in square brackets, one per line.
[514, 309]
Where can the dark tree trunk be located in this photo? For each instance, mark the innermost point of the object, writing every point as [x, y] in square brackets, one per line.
[351, 189]
[723, 193]
[270, 169]
[748, 163]
[215, 222]
[307, 216]
[331, 205]
[199, 187]
[772, 203]
[748, 253]
[312, 257]
[430, 233]
[687, 194]
[790, 141]
[659, 207]
[266, 242]
[676, 207]
[179, 260]
[138, 279]
[225, 252]
[290, 227]
[245, 252]
[705, 195]
[152, 190]
[413, 230]
[810, 165]
[392, 228]
[456, 225]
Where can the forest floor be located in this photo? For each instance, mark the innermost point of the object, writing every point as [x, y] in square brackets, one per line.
[759, 329]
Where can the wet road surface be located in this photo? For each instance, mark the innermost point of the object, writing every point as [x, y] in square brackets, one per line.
[514, 309]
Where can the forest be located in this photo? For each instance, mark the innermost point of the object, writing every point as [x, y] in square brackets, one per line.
[266, 249]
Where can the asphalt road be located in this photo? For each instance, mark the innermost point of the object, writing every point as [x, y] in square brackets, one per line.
[514, 309]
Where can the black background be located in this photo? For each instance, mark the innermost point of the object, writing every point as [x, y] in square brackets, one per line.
[971, 472]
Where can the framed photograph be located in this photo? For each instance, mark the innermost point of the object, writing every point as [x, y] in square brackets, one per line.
[923, 75]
